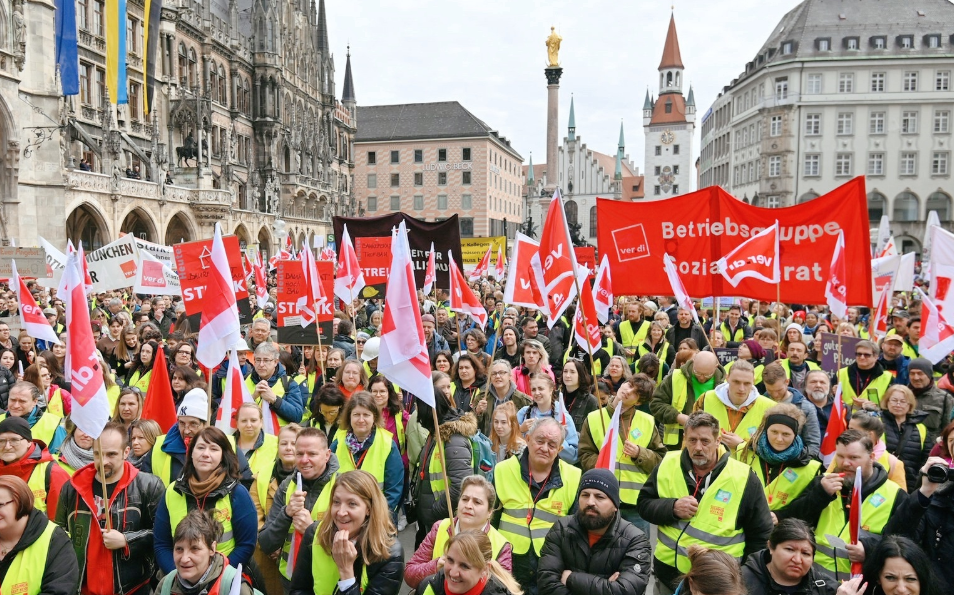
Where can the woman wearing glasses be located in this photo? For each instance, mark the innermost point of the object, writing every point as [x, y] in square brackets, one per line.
[185, 356]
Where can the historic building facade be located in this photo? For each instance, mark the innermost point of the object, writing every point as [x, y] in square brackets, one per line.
[245, 128]
[836, 92]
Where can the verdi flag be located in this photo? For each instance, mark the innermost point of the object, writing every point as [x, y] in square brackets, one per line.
[67, 59]
[115, 20]
[150, 40]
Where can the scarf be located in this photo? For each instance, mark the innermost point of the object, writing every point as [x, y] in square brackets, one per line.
[201, 489]
[133, 459]
[279, 473]
[356, 446]
[75, 456]
[476, 590]
[879, 449]
[774, 457]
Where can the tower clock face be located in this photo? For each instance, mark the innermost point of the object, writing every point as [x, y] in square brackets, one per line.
[667, 137]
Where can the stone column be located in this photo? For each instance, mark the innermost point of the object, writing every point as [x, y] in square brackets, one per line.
[553, 75]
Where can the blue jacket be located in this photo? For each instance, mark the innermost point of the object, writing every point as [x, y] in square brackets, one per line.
[898, 368]
[291, 406]
[393, 473]
[218, 381]
[572, 441]
[175, 447]
[59, 435]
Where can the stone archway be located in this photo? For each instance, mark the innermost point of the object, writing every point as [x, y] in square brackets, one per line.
[244, 238]
[138, 223]
[264, 242]
[86, 225]
[179, 230]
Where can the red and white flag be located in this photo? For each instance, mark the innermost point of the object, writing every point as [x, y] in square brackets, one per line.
[219, 327]
[403, 357]
[890, 248]
[678, 289]
[937, 335]
[836, 292]
[836, 426]
[430, 275]
[90, 410]
[235, 393]
[588, 335]
[295, 544]
[555, 262]
[521, 288]
[327, 254]
[755, 258]
[32, 319]
[349, 281]
[501, 267]
[462, 299]
[611, 443]
[261, 282]
[603, 291]
[879, 319]
[313, 299]
[854, 517]
[483, 267]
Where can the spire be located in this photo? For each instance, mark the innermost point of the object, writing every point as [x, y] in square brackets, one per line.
[648, 103]
[692, 98]
[348, 93]
[671, 57]
[618, 175]
[530, 179]
[572, 127]
[322, 30]
[622, 143]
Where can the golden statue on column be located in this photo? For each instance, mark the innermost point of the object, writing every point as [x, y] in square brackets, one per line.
[553, 48]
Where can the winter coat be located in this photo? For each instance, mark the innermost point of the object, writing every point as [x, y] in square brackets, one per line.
[898, 368]
[173, 445]
[938, 405]
[384, 578]
[423, 564]
[485, 421]
[696, 333]
[7, 379]
[346, 344]
[465, 399]
[623, 549]
[275, 531]
[661, 403]
[291, 405]
[931, 526]
[436, 584]
[758, 581]
[521, 376]
[61, 572]
[207, 583]
[580, 403]
[907, 444]
[437, 343]
[455, 433]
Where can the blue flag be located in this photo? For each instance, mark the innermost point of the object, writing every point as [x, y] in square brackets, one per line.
[67, 58]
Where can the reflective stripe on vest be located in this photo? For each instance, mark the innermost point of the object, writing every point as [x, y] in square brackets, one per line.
[631, 477]
[324, 570]
[321, 505]
[714, 525]
[179, 508]
[680, 393]
[25, 574]
[37, 485]
[497, 541]
[374, 461]
[879, 384]
[875, 511]
[261, 464]
[514, 495]
[750, 420]
[789, 484]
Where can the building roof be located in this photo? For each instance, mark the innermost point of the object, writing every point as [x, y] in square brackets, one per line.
[348, 93]
[608, 163]
[322, 26]
[671, 57]
[633, 187]
[677, 112]
[422, 121]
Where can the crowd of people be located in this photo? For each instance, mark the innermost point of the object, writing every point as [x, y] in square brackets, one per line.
[727, 469]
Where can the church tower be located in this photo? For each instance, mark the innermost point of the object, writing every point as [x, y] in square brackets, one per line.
[669, 124]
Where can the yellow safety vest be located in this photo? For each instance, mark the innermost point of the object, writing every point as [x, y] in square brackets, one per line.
[750, 420]
[757, 370]
[786, 365]
[324, 571]
[44, 428]
[875, 511]
[879, 384]
[112, 395]
[497, 541]
[525, 523]
[141, 381]
[632, 339]
[631, 478]
[37, 485]
[662, 355]
[321, 505]
[909, 350]
[597, 367]
[55, 404]
[375, 459]
[659, 374]
[791, 482]
[738, 336]
[179, 508]
[714, 525]
[680, 393]
[61, 460]
[162, 462]
[278, 389]
[25, 575]
[261, 464]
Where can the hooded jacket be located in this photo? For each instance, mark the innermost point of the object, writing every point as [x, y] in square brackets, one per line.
[56, 476]
[455, 433]
[931, 526]
[661, 403]
[937, 404]
[273, 535]
[758, 580]
[291, 405]
[61, 572]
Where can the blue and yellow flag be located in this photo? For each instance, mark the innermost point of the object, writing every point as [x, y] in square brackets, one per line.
[116, 51]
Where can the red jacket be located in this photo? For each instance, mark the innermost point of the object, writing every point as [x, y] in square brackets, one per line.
[55, 478]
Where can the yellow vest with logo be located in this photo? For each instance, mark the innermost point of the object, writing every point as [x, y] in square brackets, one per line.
[680, 392]
[879, 384]
[25, 574]
[632, 339]
[374, 461]
[278, 389]
[317, 512]
[37, 485]
[714, 525]
[55, 404]
[750, 420]
[790, 483]
[178, 509]
[875, 511]
[497, 541]
[514, 495]
[662, 355]
[141, 381]
[631, 477]
[324, 570]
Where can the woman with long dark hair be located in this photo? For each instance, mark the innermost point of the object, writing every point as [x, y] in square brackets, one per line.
[469, 381]
[575, 387]
[140, 374]
[897, 566]
[393, 416]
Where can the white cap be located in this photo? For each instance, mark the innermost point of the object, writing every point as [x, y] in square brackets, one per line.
[195, 404]
[240, 345]
[371, 349]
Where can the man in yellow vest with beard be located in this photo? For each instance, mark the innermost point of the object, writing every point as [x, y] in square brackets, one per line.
[863, 383]
[633, 331]
[702, 496]
[675, 397]
[737, 405]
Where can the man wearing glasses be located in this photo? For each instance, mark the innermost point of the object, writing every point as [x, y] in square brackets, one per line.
[27, 458]
[675, 396]
[273, 389]
[24, 402]
[863, 383]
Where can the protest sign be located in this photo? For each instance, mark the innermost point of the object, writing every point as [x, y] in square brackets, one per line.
[193, 261]
[114, 265]
[699, 228]
[586, 257]
[726, 355]
[155, 278]
[829, 351]
[473, 249]
[162, 253]
[291, 287]
[31, 262]
[374, 257]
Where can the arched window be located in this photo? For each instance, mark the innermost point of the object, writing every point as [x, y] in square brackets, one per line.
[807, 197]
[287, 159]
[183, 64]
[593, 221]
[193, 62]
[572, 212]
[941, 203]
[214, 82]
[223, 86]
[906, 207]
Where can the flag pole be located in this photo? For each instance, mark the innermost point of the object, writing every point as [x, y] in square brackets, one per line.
[440, 451]
[589, 348]
[102, 479]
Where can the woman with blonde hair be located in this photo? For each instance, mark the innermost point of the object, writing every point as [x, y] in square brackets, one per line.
[351, 378]
[469, 567]
[617, 372]
[143, 434]
[128, 406]
[356, 532]
[905, 435]
[846, 329]
[506, 437]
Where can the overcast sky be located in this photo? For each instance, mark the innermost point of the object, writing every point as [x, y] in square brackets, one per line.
[489, 55]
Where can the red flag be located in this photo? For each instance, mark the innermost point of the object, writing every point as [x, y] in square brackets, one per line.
[431, 273]
[836, 426]
[678, 289]
[350, 279]
[235, 393]
[521, 289]
[756, 257]
[160, 404]
[31, 317]
[462, 299]
[603, 291]
[483, 267]
[555, 262]
[835, 290]
[314, 299]
[854, 517]
[261, 284]
[588, 335]
[219, 326]
[879, 321]
[610, 448]
[937, 336]
[501, 267]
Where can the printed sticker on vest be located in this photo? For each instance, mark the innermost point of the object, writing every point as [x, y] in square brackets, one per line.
[723, 496]
[20, 588]
[717, 511]
[752, 430]
[557, 507]
[790, 475]
[877, 500]
[222, 515]
[635, 434]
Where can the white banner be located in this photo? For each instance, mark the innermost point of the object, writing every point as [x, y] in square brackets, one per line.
[114, 265]
[162, 253]
[153, 277]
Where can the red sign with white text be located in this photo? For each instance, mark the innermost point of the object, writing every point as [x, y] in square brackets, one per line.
[291, 289]
[193, 262]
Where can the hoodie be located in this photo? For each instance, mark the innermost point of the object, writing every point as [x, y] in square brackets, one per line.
[61, 572]
[56, 477]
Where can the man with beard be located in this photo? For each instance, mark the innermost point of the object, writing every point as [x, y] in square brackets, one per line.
[595, 550]
[685, 328]
[698, 497]
[934, 401]
[893, 359]
[435, 342]
[818, 391]
[119, 559]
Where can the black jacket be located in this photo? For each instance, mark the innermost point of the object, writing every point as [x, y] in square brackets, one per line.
[623, 548]
[273, 534]
[758, 581]
[581, 403]
[436, 583]
[7, 379]
[459, 456]
[61, 575]
[908, 445]
[930, 523]
[384, 578]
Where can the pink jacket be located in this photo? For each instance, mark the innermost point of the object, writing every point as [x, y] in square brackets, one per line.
[523, 380]
[420, 566]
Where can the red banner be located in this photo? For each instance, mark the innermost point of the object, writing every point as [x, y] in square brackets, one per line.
[193, 260]
[698, 229]
[586, 257]
[374, 257]
[291, 287]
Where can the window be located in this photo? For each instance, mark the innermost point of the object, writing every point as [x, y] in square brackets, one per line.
[372, 158]
[135, 102]
[657, 170]
[98, 8]
[781, 88]
[466, 203]
[442, 202]
[372, 203]
[99, 91]
[879, 42]
[775, 126]
[418, 178]
[940, 202]
[675, 149]
[812, 165]
[771, 202]
[933, 41]
[852, 43]
[466, 227]
[418, 156]
[465, 154]
[843, 164]
[656, 191]
[442, 155]
[823, 44]
[787, 48]
[372, 180]
[942, 80]
[418, 202]
[675, 188]
[442, 178]
[395, 157]
[909, 163]
[876, 164]
[942, 119]
[906, 41]
[131, 26]
[846, 123]
[658, 150]
[85, 91]
[877, 82]
[906, 207]
[775, 166]
[909, 122]
[465, 178]
[395, 180]
[81, 9]
[675, 170]
[395, 203]
[939, 163]
[876, 205]
[812, 124]
[813, 85]
[876, 123]
[846, 82]
[910, 81]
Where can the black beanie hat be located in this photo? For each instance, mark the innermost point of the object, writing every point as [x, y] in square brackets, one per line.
[602, 480]
[16, 425]
[922, 364]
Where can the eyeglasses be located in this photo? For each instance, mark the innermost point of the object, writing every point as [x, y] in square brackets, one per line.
[361, 342]
[265, 360]
[864, 354]
[10, 442]
[498, 373]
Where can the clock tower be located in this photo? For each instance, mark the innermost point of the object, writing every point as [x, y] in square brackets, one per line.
[669, 123]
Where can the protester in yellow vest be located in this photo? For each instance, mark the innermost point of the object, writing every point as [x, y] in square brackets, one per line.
[825, 504]
[796, 365]
[863, 383]
[355, 532]
[734, 329]
[737, 405]
[702, 496]
[24, 401]
[270, 384]
[534, 491]
[674, 399]
[42, 559]
[912, 337]
[469, 565]
[632, 331]
[24, 457]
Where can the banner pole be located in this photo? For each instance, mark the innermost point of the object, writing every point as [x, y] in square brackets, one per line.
[102, 479]
[440, 451]
[596, 384]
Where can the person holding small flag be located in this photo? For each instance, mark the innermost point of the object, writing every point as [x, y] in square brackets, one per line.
[274, 390]
[863, 382]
